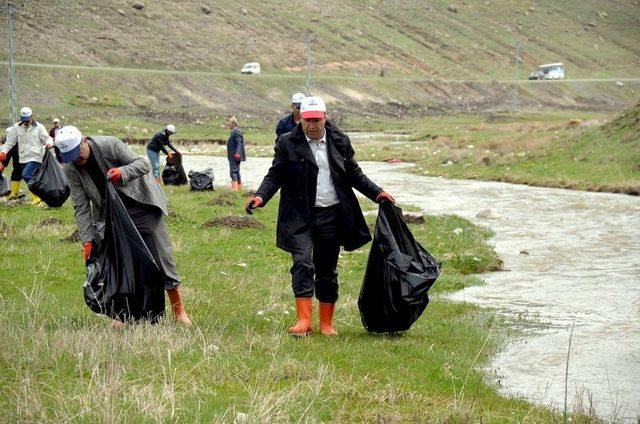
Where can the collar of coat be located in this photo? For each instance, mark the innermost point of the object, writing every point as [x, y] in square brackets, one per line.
[97, 154]
[335, 142]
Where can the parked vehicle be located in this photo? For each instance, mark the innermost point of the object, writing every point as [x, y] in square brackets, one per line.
[548, 71]
[251, 68]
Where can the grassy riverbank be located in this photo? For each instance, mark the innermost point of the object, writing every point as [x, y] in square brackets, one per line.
[577, 150]
[59, 362]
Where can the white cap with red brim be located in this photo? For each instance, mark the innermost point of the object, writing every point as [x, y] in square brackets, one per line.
[312, 107]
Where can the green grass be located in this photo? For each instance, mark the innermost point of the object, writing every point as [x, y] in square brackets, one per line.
[60, 362]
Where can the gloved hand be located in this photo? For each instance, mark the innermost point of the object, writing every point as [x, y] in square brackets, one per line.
[3, 157]
[385, 196]
[114, 175]
[236, 157]
[86, 250]
[255, 202]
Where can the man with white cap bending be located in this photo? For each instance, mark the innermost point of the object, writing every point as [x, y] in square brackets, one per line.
[315, 169]
[289, 122]
[89, 162]
[32, 139]
[157, 144]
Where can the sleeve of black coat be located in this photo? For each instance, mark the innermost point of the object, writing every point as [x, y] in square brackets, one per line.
[279, 128]
[357, 178]
[273, 180]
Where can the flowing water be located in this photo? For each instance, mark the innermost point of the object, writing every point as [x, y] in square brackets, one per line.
[571, 259]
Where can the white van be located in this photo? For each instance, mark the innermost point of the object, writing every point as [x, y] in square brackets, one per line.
[548, 71]
[251, 68]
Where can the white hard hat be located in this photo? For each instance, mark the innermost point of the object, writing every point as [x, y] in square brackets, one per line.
[56, 120]
[171, 128]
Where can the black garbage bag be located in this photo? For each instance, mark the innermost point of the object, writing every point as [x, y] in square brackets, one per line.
[123, 280]
[4, 186]
[399, 274]
[201, 180]
[173, 172]
[50, 183]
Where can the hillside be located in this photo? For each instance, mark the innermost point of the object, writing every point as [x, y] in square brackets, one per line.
[428, 50]
[410, 37]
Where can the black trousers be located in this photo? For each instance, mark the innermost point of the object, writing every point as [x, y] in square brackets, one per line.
[150, 224]
[315, 262]
[16, 172]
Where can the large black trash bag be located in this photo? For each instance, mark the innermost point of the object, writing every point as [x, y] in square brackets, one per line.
[50, 183]
[123, 280]
[201, 180]
[399, 274]
[4, 186]
[173, 172]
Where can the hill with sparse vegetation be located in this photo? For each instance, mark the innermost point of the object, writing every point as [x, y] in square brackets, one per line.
[369, 58]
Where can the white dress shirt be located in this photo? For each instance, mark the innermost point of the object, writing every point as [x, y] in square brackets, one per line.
[325, 190]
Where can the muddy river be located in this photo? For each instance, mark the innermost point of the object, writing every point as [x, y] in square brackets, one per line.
[570, 258]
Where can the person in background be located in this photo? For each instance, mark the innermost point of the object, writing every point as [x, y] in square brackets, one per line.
[235, 153]
[56, 126]
[16, 172]
[157, 144]
[89, 162]
[32, 140]
[315, 170]
[289, 122]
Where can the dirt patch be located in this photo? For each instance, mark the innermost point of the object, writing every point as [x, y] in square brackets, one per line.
[73, 238]
[50, 221]
[234, 222]
[223, 198]
[413, 217]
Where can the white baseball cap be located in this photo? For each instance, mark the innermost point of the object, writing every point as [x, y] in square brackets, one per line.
[25, 114]
[297, 98]
[56, 120]
[171, 128]
[68, 141]
[312, 107]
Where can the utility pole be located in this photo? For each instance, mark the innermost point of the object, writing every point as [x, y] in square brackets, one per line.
[307, 44]
[12, 82]
[516, 85]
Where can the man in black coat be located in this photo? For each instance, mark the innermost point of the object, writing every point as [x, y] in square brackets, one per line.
[289, 122]
[315, 169]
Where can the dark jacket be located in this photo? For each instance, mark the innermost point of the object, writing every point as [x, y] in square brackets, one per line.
[295, 173]
[159, 140]
[235, 144]
[285, 125]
